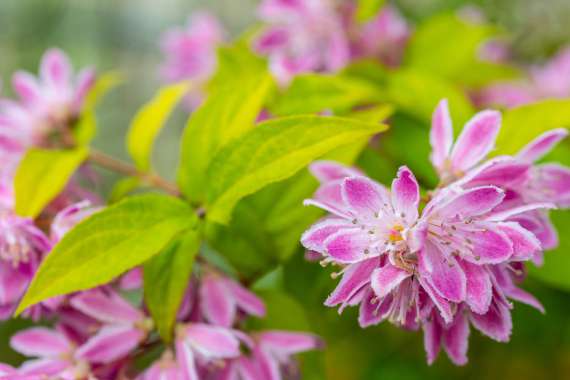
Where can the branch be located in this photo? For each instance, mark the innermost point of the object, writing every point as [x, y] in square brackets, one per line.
[122, 167]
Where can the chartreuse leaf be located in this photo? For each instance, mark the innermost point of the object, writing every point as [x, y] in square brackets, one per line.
[148, 122]
[109, 243]
[523, 124]
[86, 126]
[312, 93]
[367, 9]
[42, 175]
[273, 151]
[226, 114]
[447, 46]
[166, 278]
[418, 93]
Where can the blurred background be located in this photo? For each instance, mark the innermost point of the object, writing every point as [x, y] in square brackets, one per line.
[124, 35]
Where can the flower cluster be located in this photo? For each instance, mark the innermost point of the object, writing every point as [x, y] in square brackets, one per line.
[98, 335]
[452, 258]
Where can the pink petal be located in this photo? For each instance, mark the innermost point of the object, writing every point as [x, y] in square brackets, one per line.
[108, 308]
[372, 311]
[328, 197]
[515, 211]
[246, 300]
[314, 238]
[363, 196]
[496, 323]
[406, 195]
[443, 273]
[456, 339]
[543, 144]
[526, 298]
[326, 171]
[525, 244]
[541, 226]
[472, 202]
[212, 342]
[269, 366]
[386, 279]
[43, 367]
[85, 81]
[479, 287]
[476, 140]
[442, 305]
[498, 172]
[441, 135]
[288, 343]
[55, 68]
[185, 358]
[217, 303]
[555, 180]
[27, 87]
[110, 343]
[432, 338]
[348, 246]
[41, 342]
[489, 246]
[353, 279]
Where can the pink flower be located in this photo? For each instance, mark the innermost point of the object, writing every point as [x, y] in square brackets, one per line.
[190, 53]
[221, 298]
[200, 344]
[165, 368]
[55, 353]
[302, 36]
[385, 37]
[124, 327]
[271, 356]
[48, 106]
[69, 217]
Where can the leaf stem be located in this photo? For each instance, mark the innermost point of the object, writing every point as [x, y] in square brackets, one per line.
[122, 167]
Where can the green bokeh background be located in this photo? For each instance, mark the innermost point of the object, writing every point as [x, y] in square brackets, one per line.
[123, 35]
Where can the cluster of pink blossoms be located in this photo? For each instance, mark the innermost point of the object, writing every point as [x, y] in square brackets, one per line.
[298, 36]
[456, 260]
[97, 334]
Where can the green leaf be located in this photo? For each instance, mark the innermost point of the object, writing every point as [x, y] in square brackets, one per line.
[225, 115]
[86, 127]
[42, 175]
[123, 187]
[367, 9]
[523, 124]
[166, 278]
[447, 46]
[418, 93]
[109, 243]
[273, 151]
[148, 122]
[312, 93]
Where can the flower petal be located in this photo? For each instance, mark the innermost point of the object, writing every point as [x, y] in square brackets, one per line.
[441, 135]
[326, 171]
[373, 311]
[406, 195]
[185, 358]
[555, 182]
[432, 338]
[108, 308]
[55, 68]
[479, 287]
[440, 303]
[472, 202]
[384, 280]
[443, 273]
[525, 243]
[496, 323]
[348, 246]
[212, 342]
[355, 277]
[363, 196]
[246, 300]
[543, 144]
[489, 246]
[40, 342]
[456, 339]
[314, 238]
[110, 343]
[42, 367]
[217, 303]
[476, 140]
[520, 295]
[284, 343]
[26, 86]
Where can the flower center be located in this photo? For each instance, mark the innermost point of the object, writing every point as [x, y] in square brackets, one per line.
[395, 234]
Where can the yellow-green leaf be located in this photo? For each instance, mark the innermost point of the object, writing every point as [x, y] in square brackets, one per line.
[148, 122]
[109, 243]
[166, 279]
[42, 175]
[273, 151]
